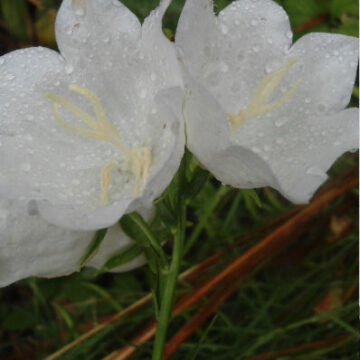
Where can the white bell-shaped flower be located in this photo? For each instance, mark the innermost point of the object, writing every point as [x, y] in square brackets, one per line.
[29, 246]
[259, 110]
[95, 131]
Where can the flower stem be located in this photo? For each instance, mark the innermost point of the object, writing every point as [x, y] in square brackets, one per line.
[170, 284]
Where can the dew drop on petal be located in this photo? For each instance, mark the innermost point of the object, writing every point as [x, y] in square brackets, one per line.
[142, 93]
[313, 170]
[224, 67]
[10, 77]
[224, 29]
[289, 34]
[281, 122]
[240, 56]
[26, 167]
[279, 141]
[2, 61]
[254, 22]
[69, 69]
[321, 108]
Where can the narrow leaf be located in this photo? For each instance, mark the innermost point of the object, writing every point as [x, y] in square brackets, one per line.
[93, 246]
[120, 258]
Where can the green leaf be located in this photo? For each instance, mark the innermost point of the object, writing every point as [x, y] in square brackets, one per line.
[16, 17]
[302, 11]
[341, 7]
[19, 319]
[166, 215]
[197, 182]
[122, 257]
[136, 228]
[103, 293]
[253, 195]
[349, 27]
[93, 246]
[65, 315]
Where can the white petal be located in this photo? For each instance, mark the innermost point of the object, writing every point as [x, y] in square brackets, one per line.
[300, 153]
[327, 65]
[228, 54]
[59, 168]
[91, 30]
[208, 139]
[170, 113]
[31, 247]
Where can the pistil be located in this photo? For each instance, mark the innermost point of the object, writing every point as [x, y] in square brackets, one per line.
[99, 128]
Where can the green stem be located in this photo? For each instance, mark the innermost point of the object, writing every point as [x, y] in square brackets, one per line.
[170, 285]
[150, 236]
[205, 217]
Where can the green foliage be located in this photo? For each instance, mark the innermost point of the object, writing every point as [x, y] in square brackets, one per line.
[277, 307]
[93, 247]
[14, 13]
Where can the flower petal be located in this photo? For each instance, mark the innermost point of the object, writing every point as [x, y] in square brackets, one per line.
[224, 52]
[208, 139]
[31, 247]
[59, 168]
[89, 31]
[170, 112]
[300, 153]
[334, 60]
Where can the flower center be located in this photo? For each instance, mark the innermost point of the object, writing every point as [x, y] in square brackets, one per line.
[99, 128]
[258, 105]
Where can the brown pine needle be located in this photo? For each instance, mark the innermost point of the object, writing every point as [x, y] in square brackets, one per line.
[299, 348]
[244, 263]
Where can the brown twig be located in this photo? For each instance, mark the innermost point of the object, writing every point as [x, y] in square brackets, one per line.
[299, 348]
[243, 264]
[311, 23]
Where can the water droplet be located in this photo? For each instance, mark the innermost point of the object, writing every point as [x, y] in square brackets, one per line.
[224, 67]
[280, 122]
[321, 108]
[256, 48]
[2, 61]
[313, 170]
[254, 22]
[307, 100]
[142, 93]
[240, 56]
[224, 29]
[279, 141]
[289, 34]
[25, 167]
[69, 69]
[76, 182]
[153, 76]
[213, 79]
[10, 77]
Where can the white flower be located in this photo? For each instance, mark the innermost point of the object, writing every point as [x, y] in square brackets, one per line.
[29, 246]
[95, 131]
[260, 111]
